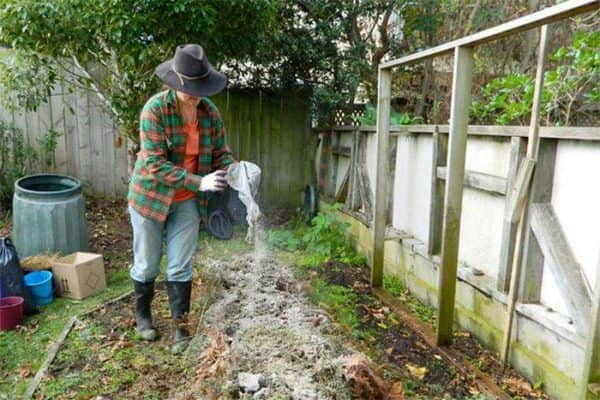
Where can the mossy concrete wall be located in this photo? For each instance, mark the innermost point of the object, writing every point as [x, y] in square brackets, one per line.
[543, 350]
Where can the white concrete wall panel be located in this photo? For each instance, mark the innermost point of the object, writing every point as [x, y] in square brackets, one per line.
[488, 155]
[371, 160]
[481, 230]
[576, 200]
[412, 185]
[483, 213]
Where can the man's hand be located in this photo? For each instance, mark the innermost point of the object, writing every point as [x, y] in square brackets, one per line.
[213, 182]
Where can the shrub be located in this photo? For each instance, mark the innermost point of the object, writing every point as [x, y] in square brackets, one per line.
[18, 158]
[370, 117]
[570, 89]
[325, 236]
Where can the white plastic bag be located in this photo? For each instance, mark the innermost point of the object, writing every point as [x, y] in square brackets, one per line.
[244, 177]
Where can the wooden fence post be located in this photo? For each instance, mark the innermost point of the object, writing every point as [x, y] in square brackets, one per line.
[509, 228]
[383, 139]
[530, 287]
[533, 147]
[353, 197]
[590, 383]
[439, 157]
[457, 146]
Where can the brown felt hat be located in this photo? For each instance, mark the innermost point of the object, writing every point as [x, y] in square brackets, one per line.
[190, 72]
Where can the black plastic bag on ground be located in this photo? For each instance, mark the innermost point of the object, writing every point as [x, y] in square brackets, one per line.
[11, 276]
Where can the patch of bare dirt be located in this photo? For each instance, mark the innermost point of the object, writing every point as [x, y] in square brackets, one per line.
[272, 333]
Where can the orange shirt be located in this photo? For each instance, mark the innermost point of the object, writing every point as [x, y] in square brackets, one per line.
[192, 150]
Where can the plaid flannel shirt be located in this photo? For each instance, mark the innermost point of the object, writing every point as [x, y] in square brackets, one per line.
[159, 168]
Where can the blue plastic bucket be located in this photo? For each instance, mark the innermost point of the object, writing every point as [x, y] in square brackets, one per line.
[40, 285]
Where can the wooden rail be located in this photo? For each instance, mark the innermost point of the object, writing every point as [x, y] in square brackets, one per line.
[537, 19]
[455, 170]
[546, 132]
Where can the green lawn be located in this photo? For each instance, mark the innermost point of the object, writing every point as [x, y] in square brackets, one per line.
[23, 351]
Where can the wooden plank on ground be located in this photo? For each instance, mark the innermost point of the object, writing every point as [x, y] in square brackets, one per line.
[457, 146]
[569, 275]
[478, 180]
[49, 358]
[384, 94]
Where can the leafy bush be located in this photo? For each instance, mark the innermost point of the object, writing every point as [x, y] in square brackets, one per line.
[326, 237]
[570, 88]
[370, 117]
[18, 158]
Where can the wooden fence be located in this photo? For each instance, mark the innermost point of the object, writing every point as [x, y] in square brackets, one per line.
[560, 262]
[269, 129]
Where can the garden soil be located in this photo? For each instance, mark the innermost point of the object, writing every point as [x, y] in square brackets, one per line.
[265, 328]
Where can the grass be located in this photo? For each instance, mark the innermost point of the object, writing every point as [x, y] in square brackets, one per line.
[339, 301]
[23, 351]
[394, 286]
[211, 247]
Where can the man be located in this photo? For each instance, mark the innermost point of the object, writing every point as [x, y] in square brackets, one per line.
[183, 155]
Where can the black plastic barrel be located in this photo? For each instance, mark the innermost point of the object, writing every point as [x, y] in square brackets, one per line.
[49, 215]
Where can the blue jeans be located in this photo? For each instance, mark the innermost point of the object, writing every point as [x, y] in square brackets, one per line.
[181, 233]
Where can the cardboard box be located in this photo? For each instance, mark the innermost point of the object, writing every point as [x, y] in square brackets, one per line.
[79, 275]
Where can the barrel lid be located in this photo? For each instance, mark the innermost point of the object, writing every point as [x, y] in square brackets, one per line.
[47, 186]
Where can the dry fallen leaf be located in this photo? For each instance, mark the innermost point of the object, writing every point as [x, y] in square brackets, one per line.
[396, 391]
[25, 372]
[364, 377]
[416, 371]
[518, 384]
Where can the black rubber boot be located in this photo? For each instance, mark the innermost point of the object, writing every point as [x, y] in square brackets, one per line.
[144, 293]
[179, 300]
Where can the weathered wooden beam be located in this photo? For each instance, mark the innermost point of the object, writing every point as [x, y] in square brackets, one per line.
[364, 189]
[342, 190]
[457, 147]
[546, 132]
[384, 93]
[335, 164]
[478, 180]
[392, 233]
[559, 257]
[533, 144]
[353, 196]
[532, 268]
[391, 179]
[520, 191]
[344, 151]
[509, 228]
[543, 17]
[590, 383]
[439, 148]
[325, 162]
